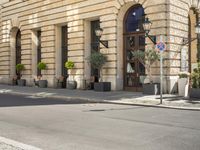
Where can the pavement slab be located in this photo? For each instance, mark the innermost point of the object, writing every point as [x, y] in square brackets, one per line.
[8, 144]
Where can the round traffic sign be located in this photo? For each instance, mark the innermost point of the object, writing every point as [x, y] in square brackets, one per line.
[161, 46]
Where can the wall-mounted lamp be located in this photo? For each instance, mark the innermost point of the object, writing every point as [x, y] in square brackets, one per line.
[197, 31]
[98, 33]
[147, 27]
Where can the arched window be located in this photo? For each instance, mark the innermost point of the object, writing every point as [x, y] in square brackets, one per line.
[134, 19]
[18, 47]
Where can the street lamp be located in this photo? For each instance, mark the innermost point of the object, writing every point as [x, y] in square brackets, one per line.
[147, 27]
[197, 31]
[99, 32]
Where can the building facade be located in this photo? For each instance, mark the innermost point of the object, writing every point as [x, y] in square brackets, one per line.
[59, 30]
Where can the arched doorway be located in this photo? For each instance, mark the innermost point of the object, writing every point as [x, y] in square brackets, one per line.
[134, 39]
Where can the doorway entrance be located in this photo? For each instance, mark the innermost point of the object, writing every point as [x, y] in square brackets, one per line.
[94, 48]
[134, 39]
[193, 46]
[18, 51]
[38, 51]
[64, 54]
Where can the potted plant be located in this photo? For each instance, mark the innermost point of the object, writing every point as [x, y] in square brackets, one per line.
[71, 83]
[97, 60]
[195, 76]
[41, 82]
[19, 69]
[183, 84]
[147, 58]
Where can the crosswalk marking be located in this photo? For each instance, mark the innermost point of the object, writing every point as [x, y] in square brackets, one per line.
[40, 95]
[5, 91]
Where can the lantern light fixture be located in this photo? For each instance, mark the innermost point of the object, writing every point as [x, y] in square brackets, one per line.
[99, 32]
[147, 27]
[197, 31]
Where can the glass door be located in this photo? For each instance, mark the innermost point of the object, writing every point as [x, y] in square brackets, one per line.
[133, 69]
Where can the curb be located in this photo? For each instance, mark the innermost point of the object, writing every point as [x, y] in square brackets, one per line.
[110, 102]
[155, 106]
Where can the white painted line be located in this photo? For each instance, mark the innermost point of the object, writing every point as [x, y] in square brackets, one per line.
[40, 95]
[5, 91]
[17, 144]
[34, 97]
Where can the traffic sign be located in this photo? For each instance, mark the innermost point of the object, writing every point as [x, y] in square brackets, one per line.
[161, 46]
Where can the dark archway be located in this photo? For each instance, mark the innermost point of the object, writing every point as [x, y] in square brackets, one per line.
[18, 49]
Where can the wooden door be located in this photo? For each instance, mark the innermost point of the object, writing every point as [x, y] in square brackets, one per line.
[133, 69]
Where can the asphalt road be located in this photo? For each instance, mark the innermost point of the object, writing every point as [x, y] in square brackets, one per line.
[53, 124]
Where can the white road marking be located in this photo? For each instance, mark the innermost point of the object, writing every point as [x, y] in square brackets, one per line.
[5, 91]
[40, 95]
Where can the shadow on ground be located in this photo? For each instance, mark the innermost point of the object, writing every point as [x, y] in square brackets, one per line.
[18, 100]
[171, 98]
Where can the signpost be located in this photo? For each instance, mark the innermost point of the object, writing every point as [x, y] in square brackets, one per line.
[161, 46]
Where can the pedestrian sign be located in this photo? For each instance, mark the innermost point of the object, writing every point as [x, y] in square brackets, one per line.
[161, 46]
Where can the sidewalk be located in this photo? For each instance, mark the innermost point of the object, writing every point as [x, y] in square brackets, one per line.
[8, 144]
[116, 97]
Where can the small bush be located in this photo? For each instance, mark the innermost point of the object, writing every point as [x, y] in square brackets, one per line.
[20, 67]
[146, 58]
[41, 66]
[97, 60]
[183, 75]
[69, 65]
[196, 77]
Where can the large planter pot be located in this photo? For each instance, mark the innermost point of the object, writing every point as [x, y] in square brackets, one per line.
[195, 93]
[102, 86]
[21, 82]
[71, 85]
[14, 82]
[151, 89]
[183, 86]
[42, 83]
[59, 85]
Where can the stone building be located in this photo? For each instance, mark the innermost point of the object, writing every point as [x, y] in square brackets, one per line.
[53, 31]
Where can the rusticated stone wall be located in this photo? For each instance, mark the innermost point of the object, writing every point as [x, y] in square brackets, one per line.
[169, 18]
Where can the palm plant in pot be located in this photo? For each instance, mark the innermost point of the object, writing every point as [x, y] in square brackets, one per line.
[97, 60]
[195, 76]
[42, 83]
[71, 83]
[147, 58]
[19, 69]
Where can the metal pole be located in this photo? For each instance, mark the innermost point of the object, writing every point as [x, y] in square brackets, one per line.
[161, 77]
